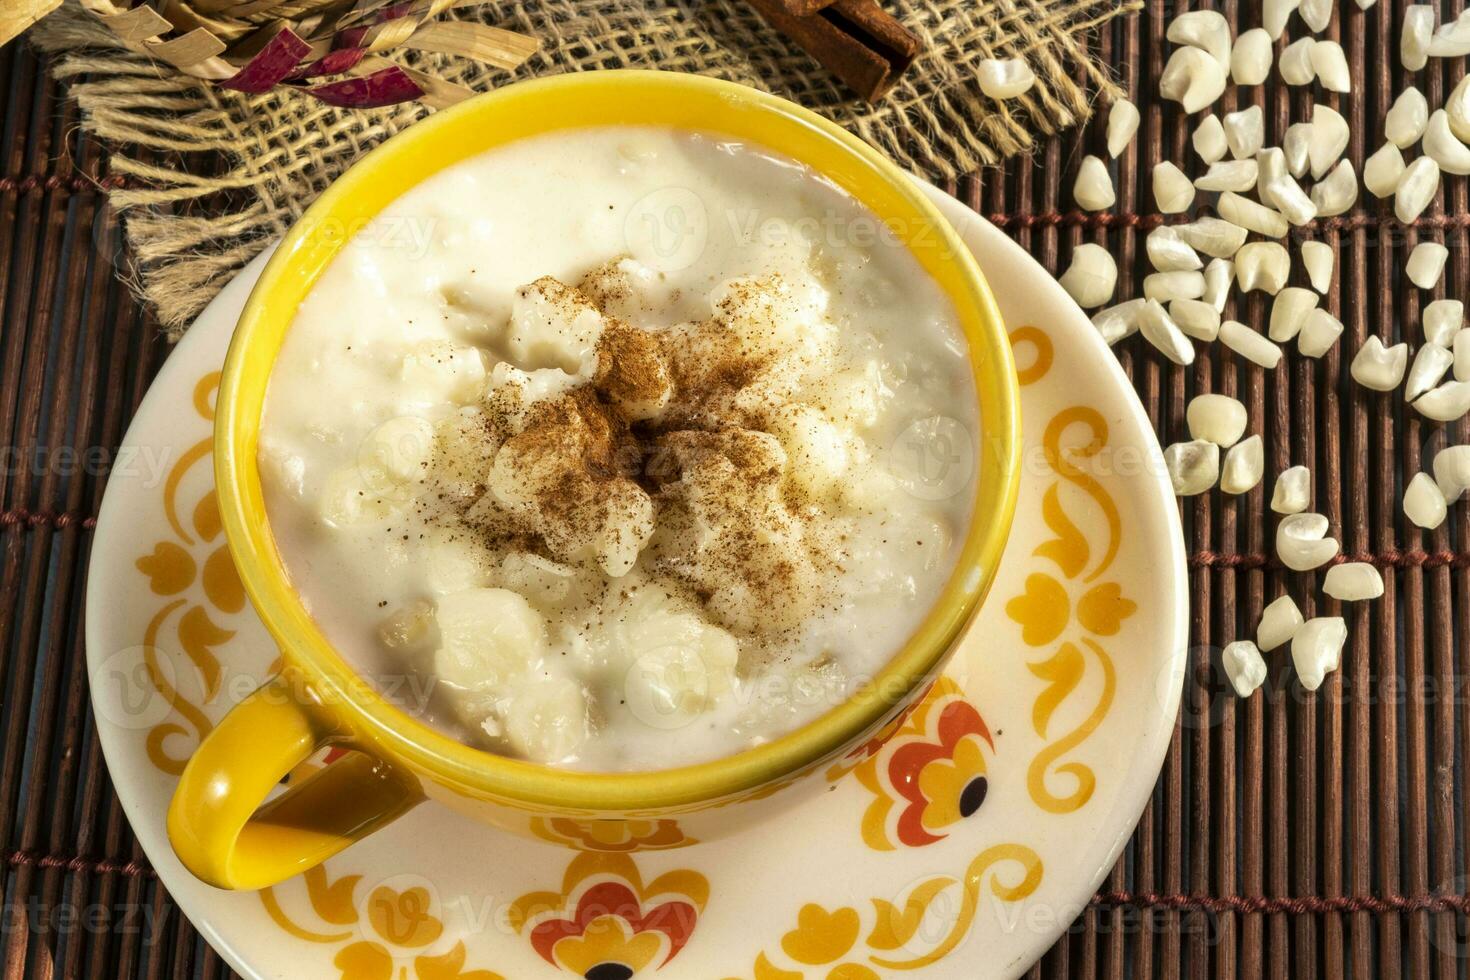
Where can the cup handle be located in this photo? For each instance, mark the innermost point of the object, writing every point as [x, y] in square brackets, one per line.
[227, 834]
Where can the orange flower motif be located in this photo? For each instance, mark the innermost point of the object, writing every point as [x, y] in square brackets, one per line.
[395, 920]
[954, 787]
[403, 918]
[821, 936]
[364, 961]
[943, 780]
[821, 939]
[450, 966]
[1076, 593]
[933, 769]
[392, 929]
[170, 569]
[1102, 609]
[367, 960]
[1045, 609]
[829, 941]
[875, 744]
[605, 924]
[1042, 610]
[221, 581]
[609, 947]
[613, 836]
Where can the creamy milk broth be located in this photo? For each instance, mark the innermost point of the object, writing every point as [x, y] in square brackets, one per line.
[444, 263]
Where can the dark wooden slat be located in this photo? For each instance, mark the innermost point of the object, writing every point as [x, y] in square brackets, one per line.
[1356, 521]
[1289, 836]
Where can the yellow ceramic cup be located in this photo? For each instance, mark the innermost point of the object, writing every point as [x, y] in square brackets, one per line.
[219, 825]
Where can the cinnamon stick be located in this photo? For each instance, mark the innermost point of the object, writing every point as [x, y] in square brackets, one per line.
[856, 40]
[800, 8]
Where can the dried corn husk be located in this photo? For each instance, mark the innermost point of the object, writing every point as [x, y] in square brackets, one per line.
[334, 52]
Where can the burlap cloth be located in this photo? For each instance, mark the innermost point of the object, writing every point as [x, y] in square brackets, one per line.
[211, 176]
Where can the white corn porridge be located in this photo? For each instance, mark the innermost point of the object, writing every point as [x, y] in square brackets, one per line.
[621, 448]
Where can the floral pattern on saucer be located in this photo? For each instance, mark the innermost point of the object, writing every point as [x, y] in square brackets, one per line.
[957, 844]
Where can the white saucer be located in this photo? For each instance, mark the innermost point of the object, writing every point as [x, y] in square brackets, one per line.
[1075, 666]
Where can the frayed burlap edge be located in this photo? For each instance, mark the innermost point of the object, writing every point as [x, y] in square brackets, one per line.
[209, 177]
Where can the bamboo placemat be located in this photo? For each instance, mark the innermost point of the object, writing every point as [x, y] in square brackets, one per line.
[1292, 835]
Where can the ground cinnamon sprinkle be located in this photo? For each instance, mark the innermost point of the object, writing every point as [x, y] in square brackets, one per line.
[660, 429]
[604, 287]
[709, 368]
[632, 369]
[585, 434]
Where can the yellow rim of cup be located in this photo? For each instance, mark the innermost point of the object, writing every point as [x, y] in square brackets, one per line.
[577, 101]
